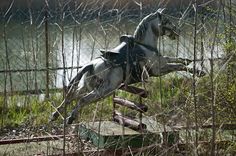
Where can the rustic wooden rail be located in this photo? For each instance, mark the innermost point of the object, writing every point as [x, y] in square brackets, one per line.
[134, 90]
[137, 106]
[135, 125]
[130, 104]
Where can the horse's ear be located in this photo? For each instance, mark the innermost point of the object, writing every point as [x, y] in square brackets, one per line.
[160, 10]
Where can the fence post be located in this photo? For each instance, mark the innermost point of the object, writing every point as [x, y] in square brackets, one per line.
[194, 75]
[47, 49]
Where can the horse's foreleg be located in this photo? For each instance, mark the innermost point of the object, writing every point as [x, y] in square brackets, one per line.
[179, 67]
[178, 60]
[168, 68]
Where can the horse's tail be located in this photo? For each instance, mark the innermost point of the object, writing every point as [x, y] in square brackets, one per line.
[76, 79]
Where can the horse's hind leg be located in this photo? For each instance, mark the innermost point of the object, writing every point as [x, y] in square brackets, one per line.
[178, 60]
[72, 94]
[59, 109]
[93, 96]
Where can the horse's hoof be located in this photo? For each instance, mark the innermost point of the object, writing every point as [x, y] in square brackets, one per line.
[54, 116]
[69, 120]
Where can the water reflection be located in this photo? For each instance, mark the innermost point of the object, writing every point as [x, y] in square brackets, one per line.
[25, 45]
[81, 46]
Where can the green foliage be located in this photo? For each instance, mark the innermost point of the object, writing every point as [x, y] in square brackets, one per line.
[224, 98]
[15, 115]
[19, 111]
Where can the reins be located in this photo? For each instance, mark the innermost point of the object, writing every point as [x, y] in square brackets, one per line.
[147, 46]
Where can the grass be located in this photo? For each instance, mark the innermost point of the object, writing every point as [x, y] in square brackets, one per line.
[19, 111]
[174, 92]
[176, 106]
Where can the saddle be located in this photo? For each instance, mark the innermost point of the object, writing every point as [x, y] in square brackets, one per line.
[126, 52]
[119, 55]
[126, 41]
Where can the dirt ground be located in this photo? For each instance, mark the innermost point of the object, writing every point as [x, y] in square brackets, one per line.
[36, 148]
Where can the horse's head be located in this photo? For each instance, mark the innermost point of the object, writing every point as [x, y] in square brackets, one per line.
[153, 26]
[161, 25]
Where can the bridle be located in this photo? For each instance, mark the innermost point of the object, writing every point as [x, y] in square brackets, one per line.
[161, 30]
[147, 47]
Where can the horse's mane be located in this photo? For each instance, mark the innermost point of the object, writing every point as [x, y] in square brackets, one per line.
[143, 26]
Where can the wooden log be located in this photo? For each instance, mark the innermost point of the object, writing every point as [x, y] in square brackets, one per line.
[134, 90]
[125, 121]
[130, 104]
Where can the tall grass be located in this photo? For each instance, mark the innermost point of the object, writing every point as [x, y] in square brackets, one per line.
[16, 113]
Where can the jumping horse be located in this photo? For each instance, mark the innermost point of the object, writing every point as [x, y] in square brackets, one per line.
[135, 58]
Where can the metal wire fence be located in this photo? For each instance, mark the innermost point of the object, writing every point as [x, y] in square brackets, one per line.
[43, 45]
[59, 37]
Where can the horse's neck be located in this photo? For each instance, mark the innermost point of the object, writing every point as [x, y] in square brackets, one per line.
[150, 38]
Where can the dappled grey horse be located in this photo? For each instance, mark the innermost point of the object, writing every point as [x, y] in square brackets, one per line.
[134, 59]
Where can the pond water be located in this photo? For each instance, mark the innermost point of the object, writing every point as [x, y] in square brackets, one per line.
[22, 46]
